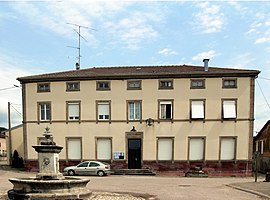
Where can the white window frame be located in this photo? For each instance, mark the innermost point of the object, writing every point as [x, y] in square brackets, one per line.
[47, 111]
[101, 152]
[72, 116]
[229, 108]
[134, 112]
[197, 109]
[196, 154]
[99, 114]
[163, 111]
[165, 148]
[228, 148]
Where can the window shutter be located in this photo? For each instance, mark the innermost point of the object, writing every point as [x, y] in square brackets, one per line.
[74, 149]
[229, 109]
[165, 149]
[196, 149]
[197, 109]
[73, 109]
[104, 149]
[103, 109]
[227, 149]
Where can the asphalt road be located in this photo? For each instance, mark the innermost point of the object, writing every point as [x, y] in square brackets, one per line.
[156, 187]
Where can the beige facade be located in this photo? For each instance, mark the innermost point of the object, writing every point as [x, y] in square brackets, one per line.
[16, 141]
[195, 118]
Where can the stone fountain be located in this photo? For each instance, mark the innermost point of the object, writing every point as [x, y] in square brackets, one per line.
[49, 183]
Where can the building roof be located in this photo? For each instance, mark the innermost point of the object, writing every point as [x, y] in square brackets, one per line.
[262, 130]
[140, 72]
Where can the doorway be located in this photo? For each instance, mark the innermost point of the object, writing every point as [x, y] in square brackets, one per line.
[134, 153]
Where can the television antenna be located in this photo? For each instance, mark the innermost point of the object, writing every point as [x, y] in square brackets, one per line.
[79, 42]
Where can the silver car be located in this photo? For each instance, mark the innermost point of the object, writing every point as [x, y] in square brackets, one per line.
[88, 168]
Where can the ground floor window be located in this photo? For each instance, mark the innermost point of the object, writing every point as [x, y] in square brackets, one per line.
[196, 148]
[165, 149]
[104, 148]
[227, 148]
[74, 148]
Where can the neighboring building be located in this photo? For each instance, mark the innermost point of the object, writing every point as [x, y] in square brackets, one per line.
[3, 146]
[165, 118]
[262, 146]
[16, 141]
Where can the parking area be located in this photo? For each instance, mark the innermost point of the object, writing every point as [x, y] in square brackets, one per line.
[156, 187]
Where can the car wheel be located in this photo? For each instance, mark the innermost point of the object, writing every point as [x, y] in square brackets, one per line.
[71, 172]
[100, 173]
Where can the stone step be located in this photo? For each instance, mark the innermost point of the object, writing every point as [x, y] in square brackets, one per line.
[145, 172]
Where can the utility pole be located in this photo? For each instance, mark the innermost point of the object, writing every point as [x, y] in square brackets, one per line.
[9, 135]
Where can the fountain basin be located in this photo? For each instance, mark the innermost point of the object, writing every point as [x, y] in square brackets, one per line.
[31, 188]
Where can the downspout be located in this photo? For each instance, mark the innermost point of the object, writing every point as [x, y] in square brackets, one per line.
[251, 121]
[24, 122]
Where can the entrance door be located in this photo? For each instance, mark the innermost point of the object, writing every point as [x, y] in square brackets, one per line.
[134, 153]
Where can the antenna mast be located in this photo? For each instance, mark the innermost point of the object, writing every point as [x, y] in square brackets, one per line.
[79, 45]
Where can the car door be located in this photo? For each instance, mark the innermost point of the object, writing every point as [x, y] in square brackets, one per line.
[82, 168]
[93, 168]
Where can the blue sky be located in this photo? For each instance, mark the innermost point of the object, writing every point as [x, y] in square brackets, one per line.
[35, 36]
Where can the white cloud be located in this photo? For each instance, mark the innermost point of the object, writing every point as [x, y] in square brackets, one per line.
[167, 52]
[205, 55]
[209, 19]
[10, 70]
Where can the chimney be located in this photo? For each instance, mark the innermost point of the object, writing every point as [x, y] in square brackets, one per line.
[205, 61]
[77, 66]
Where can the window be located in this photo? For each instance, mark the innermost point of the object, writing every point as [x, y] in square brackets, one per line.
[73, 109]
[165, 109]
[134, 110]
[227, 148]
[197, 109]
[84, 164]
[103, 85]
[229, 83]
[44, 109]
[259, 146]
[103, 110]
[73, 86]
[165, 148]
[74, 148]
[196, 148]
[197, 84]
[134, 85]
[229, 109]
[43, 87]
[165, 84]
[104, 148]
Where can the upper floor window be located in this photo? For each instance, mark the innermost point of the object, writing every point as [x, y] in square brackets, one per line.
[165, 109]
[103, 85]
[165, 84]
[134, 110]
[197, 84]
[134, 85]
[197, 109]
[43, 87]
[228, 109]
[103, 110]
[73, 86]
[229, 83]
[73, 111]
[44, 109]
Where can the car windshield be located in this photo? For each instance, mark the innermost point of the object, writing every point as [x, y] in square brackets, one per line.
[84, 164]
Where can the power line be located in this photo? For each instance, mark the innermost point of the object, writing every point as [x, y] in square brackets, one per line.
[264, 78]
[14, 86]
[263, 94]
[16, 110]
